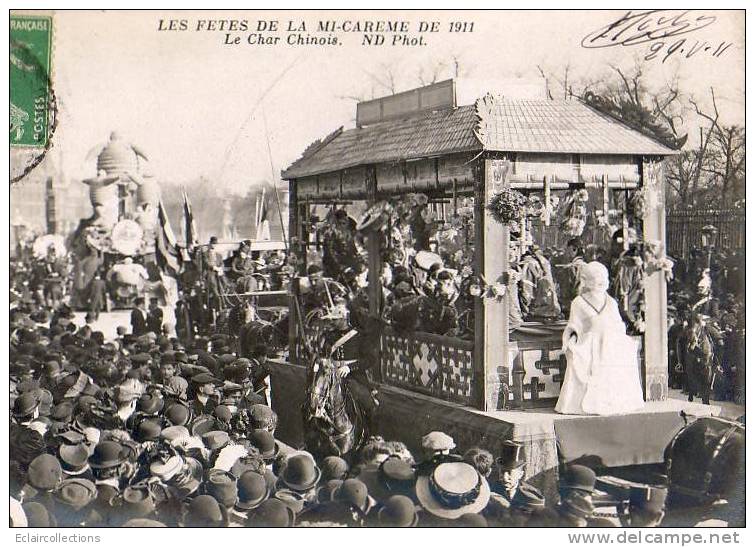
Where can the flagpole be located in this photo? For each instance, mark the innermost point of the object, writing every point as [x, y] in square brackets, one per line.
[274, 178]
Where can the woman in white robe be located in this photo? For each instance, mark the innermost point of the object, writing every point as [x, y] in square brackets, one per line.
[602, 371]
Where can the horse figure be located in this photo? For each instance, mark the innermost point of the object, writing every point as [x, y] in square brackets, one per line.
[334, 424]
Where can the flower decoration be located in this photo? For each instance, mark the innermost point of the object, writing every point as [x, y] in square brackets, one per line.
[507, 205]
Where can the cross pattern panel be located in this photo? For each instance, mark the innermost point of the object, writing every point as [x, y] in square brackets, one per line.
[427, 365]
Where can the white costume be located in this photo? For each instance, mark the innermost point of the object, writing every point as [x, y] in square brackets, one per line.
[602, 371]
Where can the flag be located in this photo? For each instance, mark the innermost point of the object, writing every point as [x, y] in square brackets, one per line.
[190, 229]
[167, 253]
[262, 217]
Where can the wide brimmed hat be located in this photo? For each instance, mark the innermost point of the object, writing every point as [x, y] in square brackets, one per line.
[137, 502]
[512, 455]
[528, 498]
[44, 472]
[204, 423]
[252, 490]
[215, 440]
[76, 493]
[453, 488]
[108, 454]
[398, 512]
[221, 485]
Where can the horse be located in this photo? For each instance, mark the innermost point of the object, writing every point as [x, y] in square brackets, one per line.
[334, 424]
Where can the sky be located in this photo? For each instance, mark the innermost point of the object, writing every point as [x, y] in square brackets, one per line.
[200, 108]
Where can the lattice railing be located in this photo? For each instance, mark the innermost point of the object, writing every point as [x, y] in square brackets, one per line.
[438, 366]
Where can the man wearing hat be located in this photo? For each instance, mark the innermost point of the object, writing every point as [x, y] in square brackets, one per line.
[139, 317]
[174, 385]
[511, 463]
[436, 447]
[205, 387]
[155, 317]
[647, 507]
[300, 475]
[252, 492]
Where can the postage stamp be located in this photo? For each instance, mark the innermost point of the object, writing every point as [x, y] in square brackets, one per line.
[30, 90]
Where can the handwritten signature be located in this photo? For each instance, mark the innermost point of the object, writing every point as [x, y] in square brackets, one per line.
[647, 26]
[657, 27]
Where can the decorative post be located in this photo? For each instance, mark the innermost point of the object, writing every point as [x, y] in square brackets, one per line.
[655, 373]
[495, 267]
[294, 248]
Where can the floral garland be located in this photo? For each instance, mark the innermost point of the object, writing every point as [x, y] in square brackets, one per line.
[507, 206]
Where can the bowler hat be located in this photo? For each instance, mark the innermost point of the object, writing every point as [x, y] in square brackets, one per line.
[108, 454]
[148, 430]
[512, 455]
[204, 512]
[178, 414]
[76, 493]
[398, 512]
[354, 491]
[44, 472]
[252, 490]
[221, 485]
[74, 457]
[300, 473]
[272, 513]
[452, 489]
[264, 441]
[334, 467]
[578, 477]
[396, 476]
[150, 403]
[26, 404]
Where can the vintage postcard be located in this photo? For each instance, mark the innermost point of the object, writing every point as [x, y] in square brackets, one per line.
[385, 268]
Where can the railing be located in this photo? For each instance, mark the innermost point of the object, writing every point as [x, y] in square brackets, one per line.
[438, 366]
[684, 229]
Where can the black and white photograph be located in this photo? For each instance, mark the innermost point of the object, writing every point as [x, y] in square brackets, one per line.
[377, 268]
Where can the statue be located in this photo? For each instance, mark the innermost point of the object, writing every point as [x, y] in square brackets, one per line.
[602, 373]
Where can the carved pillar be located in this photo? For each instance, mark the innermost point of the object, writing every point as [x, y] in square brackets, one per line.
[495, 265]
[655, 373]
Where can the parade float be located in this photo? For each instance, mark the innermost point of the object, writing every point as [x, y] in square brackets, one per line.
[474, 184]
[120, 239]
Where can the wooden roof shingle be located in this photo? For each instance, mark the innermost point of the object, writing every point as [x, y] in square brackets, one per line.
[495, 124]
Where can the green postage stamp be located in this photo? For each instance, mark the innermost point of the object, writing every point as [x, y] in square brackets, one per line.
[30, 91]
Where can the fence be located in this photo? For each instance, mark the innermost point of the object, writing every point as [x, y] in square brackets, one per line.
[684, 229]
